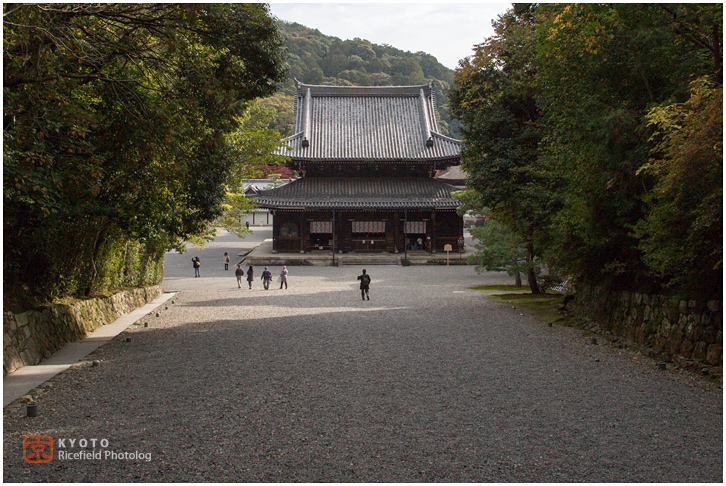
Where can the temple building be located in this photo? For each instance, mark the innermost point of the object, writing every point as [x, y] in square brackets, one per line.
[366, 157]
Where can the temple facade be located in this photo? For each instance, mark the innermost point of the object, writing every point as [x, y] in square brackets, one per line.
[366, 157]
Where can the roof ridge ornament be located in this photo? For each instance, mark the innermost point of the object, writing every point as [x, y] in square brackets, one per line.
[306, 119]
[423, 115]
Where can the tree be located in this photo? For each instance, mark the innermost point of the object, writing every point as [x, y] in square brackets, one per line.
[600, 68]
[253, 145]
[115, 118]
[681, 234]
[559, 146]
[501, 250]
[495, 100]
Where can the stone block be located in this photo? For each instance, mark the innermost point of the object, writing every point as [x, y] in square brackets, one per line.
[686, 349]
[22, 319]
[714, 355]
[699, 351]
[34, 335]
[9, 322]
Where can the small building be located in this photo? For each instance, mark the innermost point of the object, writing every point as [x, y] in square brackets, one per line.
[258, 216]
[366, 157]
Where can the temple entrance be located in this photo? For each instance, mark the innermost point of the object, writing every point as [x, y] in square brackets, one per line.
[321, 235]
[368, 236]
[415, 235]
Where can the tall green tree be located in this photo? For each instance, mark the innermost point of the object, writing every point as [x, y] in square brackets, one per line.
[601, 67]
[681, 234]
[584, 137]
[115, 118]
[495, 100]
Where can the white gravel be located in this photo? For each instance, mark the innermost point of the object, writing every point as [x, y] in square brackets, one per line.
[427, 382]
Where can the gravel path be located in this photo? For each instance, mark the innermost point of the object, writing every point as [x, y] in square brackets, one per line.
[426, 382]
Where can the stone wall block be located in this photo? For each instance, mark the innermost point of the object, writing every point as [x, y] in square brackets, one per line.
[22, 318]
[9, 322]
[714, 354]
[699, 351]
[688, 328]
[686, 349]
[34, 335]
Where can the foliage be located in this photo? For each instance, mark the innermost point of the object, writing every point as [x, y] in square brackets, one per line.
[253, 145]
[319, 59]
[681, 234]
[554, 110]
[499, 113]
[115, 118]
[501, 250]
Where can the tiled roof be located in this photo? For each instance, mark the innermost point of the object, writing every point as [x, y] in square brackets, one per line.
[360, 193]
[453, 173]
[371, 123]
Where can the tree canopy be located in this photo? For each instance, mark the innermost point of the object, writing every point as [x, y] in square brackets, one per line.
[593, 130]
[115, 129]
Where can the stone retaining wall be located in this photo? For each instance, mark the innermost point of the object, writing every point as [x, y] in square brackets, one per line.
[688, 329]
[32, 336]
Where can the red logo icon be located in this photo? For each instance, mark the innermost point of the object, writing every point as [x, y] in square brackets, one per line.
[37, 449]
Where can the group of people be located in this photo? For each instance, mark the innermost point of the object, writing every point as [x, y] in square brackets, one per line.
[266, 277]
[365, 279]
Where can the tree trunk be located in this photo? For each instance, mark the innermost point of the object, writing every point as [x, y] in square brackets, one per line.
[100, 238]
[531, 275]
[532, 280]
[518, 279]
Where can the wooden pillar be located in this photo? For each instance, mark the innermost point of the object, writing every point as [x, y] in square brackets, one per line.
[433, 231]
[275, 230]
[390, 244]
[332, 237]
[304, 232]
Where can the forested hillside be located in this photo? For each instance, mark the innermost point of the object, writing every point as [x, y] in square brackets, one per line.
[316, 58]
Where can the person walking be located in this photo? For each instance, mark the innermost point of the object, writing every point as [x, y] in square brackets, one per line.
[196, 264]
[365, 281]
[283, 278]
[266, 277]
[239, 273]
[226, 261]
[250, 276]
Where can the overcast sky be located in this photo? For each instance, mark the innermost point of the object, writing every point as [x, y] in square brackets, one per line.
[448, 31]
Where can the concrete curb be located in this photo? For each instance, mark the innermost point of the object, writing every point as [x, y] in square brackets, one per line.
[20, 382]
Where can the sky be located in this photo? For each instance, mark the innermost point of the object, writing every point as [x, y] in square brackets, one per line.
[448, 31]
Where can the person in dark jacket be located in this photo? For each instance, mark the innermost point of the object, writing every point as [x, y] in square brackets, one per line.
[239, 273]
[196, 264]
[365, 281]
[266, 277]
[250, 276]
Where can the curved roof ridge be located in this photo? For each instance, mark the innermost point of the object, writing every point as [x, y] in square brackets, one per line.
[330, 90]
[293, 136]
[448, 139]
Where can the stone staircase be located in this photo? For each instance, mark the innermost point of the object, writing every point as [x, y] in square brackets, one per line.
[369, 259]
